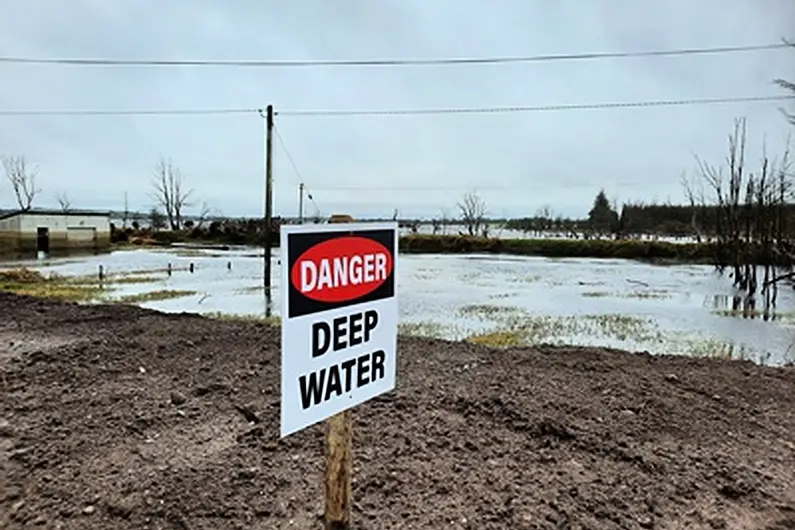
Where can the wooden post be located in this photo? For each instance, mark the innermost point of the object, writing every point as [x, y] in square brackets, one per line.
[301, 203]
[339, 470]
[339, 459]
[268, 206]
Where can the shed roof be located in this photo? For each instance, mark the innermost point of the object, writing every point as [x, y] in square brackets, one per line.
[37, 211]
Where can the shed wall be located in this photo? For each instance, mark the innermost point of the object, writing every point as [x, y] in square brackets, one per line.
[88, 232]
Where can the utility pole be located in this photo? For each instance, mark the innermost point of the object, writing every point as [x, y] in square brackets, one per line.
[301, 203]
[126, 211]
[268, 205]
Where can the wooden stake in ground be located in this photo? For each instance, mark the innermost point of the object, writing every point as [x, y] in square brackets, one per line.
[339, 459]
[339, 470]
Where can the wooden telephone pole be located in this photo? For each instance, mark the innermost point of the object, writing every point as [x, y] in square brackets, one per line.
[301, 203]
[268, 206]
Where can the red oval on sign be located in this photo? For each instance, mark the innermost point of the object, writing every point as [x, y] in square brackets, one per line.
[341, 269]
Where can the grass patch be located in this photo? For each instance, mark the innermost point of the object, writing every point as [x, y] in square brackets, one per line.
[253, 289]
[515, 327]
[561, 248]
[497, 339]
[648, 295]
[499, 296]
[116, 279]
[54, 291]
[430, 330]
[238, 317]
[32, 283]
[487, 310]
[154, 296]
[412, 329]
[756, 313]
[624, 327]
[641, 295]
[148, 272]
[713, 348]
[527, 279]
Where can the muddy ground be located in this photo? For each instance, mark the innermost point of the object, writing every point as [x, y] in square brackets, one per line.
[119, 418]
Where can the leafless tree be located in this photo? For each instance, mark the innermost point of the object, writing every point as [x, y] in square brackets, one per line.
[22, 179]
[168, 192]
[204, 213]
[63, 201]
[694, 192]
[444, 220]
[473, 213]
[751, 222]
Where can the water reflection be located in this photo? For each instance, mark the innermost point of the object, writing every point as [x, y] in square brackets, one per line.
[36, 256]
[743, 306]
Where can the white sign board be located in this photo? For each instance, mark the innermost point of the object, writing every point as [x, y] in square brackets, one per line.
[339, 318]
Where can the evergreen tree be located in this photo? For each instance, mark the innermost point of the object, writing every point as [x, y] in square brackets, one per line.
[602, 218]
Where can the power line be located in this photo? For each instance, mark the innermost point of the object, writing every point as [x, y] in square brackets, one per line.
[538, 108]
[451, 61]
[127, 112]
[460, 187]
[295, 169]
[402, 112]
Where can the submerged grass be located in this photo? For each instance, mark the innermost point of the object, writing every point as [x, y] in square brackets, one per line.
[55, 291]
[431, 330]
[154, 296]
[116, 279]
[513, 327]
[641, 295]
[65, 288]
[239, 317]
[32, 283]
[412, 329]
[786, 316]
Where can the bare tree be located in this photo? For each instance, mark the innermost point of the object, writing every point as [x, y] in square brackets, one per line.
[694, 191]
[168, 192]
[22, 179]
[751, 223]
[473, 213]
[204, 213]
[63, 201]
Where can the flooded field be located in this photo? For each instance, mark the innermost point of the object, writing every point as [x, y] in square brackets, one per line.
[499, 231]
[499, 300]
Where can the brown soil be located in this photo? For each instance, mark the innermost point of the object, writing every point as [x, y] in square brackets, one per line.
[122, 418]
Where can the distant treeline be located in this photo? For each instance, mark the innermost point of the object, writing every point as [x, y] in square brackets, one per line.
[227, 232]
[672, 220]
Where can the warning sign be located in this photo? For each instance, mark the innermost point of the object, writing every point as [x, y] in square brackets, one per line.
[339, 318]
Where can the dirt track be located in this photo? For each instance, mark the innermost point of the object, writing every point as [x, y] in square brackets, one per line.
[120, 418]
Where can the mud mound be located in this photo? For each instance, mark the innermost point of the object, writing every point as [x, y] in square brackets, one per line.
[123, 418]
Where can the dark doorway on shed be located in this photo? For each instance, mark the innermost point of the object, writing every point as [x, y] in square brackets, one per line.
[43, 239]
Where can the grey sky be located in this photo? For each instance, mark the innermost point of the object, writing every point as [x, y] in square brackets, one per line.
[555, 158]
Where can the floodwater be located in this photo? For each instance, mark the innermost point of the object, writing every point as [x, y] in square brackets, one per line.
[500, 232]
[684, 309]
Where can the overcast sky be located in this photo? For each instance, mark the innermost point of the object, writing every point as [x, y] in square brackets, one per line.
[371, 165]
